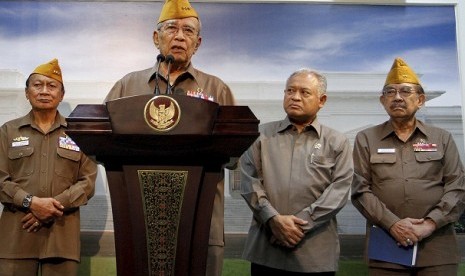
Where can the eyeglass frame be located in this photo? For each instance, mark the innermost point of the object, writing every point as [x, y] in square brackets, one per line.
[188, 31]
[401, 91]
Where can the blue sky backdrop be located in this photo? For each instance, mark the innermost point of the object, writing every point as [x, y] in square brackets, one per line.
[241, 42]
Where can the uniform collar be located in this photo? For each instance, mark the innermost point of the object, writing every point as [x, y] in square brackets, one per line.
[286, 124]
[388, 130]
[190, 71]
[28, 120]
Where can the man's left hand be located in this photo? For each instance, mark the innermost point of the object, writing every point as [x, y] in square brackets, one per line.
[424, 229]
[31, 223]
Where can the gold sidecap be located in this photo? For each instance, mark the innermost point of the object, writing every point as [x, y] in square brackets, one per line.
[50, 69]
[177, 9]
[401, 73]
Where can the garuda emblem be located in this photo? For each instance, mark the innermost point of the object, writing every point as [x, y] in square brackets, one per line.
[162, 113]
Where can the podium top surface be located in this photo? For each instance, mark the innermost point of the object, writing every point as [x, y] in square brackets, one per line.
[119, 128]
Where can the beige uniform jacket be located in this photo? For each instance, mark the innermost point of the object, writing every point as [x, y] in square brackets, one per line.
[44, 165]
[193, 83]
[421, 178]
[307, 175]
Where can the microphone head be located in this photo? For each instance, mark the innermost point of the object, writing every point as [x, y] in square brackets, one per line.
[169, 59]
[160, 58]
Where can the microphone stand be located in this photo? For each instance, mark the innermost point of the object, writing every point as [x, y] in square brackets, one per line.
[160, 59]
[169, 59]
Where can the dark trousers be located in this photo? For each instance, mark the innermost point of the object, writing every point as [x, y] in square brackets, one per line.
[260, 270]
[44, 267]
[439, 270]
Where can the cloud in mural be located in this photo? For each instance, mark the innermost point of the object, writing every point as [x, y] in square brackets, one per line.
[104, 40]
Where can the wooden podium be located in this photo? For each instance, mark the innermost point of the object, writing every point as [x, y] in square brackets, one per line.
[164, 156]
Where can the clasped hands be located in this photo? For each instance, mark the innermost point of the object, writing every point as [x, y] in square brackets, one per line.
[287, 230]
[42, 211]
[409, 231]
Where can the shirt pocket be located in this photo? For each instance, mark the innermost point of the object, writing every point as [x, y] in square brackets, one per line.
[21, 160]
[382, 166]
[429, 164]
[67, 165]
[321, 167]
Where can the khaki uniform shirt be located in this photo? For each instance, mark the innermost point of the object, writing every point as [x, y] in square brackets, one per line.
[44, 165]
[193, 83]
[421, 178]
[307, 175]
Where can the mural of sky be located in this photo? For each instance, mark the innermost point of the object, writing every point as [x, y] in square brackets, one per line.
[241, 41]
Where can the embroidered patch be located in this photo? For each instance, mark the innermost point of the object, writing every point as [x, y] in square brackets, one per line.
[425, 147]
[67, 143]
[199, 94]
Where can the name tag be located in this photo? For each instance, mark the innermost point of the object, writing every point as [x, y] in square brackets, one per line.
[20, 144]
[20, 141]
[386, 150]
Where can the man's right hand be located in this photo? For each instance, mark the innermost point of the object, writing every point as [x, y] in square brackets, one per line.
[46, 209]
[287, 229]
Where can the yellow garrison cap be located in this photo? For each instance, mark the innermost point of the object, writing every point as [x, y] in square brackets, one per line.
[50, 69]
[177, 9]
[401, 73]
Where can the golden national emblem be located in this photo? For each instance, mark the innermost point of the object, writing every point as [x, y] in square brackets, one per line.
[162, 113]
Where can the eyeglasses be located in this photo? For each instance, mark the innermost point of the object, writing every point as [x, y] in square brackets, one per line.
[305, 93]
[404, 91]
[172, 29]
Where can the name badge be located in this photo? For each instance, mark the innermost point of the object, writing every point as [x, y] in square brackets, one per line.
[20, 144]
[386, 150]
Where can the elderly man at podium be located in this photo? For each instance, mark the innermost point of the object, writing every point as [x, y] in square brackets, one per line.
[177, 36]
[44, 179]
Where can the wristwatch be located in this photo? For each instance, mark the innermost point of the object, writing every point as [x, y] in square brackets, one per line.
[27, 201]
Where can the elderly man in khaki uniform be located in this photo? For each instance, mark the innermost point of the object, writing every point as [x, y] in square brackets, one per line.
[178, 34]
[44, 179]
[409, 180]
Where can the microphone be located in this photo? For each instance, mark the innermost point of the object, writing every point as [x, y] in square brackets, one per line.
[169, 59]
[160, 59]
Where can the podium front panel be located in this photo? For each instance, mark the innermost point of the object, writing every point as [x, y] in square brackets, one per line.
[162, 202]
